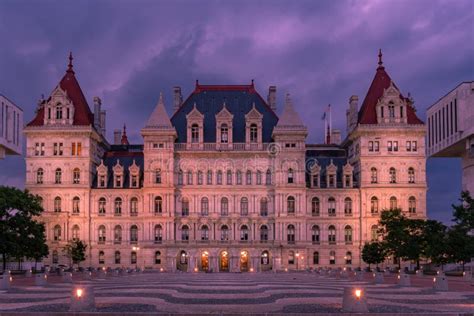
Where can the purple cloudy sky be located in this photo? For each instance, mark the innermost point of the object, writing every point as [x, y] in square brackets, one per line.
[322, 52]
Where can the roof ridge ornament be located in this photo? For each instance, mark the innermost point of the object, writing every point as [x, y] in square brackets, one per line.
[70, 66]
[380, 58]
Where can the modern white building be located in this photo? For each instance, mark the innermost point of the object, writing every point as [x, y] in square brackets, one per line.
[451, 129]
[224, 183]
[11, 126]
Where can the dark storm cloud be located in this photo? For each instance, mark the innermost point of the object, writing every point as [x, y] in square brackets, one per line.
[321, 52]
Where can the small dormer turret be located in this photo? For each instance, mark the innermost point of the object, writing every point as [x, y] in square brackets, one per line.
[348, 171]
[253, 128]
[134, 172]
[315, 175]
[101, 175]
[195, 128]
[118, 175]
[331, 175]
[224, 127]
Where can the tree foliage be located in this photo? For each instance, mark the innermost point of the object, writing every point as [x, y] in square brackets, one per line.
[21, 236]
[373, 253]
[76, 251]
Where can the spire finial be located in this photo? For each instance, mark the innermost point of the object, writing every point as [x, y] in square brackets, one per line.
[380, 58]
[124, 139]
[161, 98]
[69, 66]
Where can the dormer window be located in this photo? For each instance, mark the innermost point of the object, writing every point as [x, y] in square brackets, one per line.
[224, 134]
[118, 181]
[315, 180]
[348, 171]
[59, 112]
[391, 110]
[102, 175]
[332, 181]
[134, 181]
[118, 175]
[194, 133]
[253, 133]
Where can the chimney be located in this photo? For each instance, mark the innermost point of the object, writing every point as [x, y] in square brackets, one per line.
[271, 98]
[97, 104]
[352, 112]
[117, 136]
[178, 98]
[336, 137]
[102, 122]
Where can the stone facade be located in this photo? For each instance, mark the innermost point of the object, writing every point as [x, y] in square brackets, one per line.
[224, 184]
[11, 124]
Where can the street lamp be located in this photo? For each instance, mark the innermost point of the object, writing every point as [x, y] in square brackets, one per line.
[134, 248]
[297, 259]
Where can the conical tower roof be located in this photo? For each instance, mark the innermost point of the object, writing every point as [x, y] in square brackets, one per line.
[159, 118]
[289, 118]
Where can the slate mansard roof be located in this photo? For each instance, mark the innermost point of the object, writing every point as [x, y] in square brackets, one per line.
[125, 154]
[239, 100]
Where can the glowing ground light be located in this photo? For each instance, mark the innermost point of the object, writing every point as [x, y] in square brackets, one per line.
[251, 269]
[358, 293]
[11, 279]
[286, 269]
[398, 277]
[161, 269]
[195, 269]
[434, 279]
[79, 293]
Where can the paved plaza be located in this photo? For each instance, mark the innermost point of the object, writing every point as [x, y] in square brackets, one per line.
[236, 293]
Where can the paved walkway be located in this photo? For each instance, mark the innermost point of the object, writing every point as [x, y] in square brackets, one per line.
[236, 293]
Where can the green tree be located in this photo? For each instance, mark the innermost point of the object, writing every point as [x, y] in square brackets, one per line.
[435, 242]
[412, 245]
[393, 228]
[75, 251]
[20, 234]
[373, 253]
[460, 245]
[464, 212]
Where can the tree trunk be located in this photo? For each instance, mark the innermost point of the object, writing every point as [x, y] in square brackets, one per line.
[4, 262]
[418, 264]
[399, 264]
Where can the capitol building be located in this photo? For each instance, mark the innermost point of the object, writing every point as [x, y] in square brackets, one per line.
[223, 183]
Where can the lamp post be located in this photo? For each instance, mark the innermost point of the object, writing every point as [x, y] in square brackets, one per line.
[297, 259]
[134, 248]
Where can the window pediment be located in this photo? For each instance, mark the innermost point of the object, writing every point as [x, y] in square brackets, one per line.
[194, 115]
[101, 169]
[224, 114]
[118, 168]
[331, 168]
[134, 169]
[253, 115]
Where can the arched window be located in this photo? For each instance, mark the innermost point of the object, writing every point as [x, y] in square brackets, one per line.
[224, 134]
[55, 257]
[118, 207]
[268, 177]
[75, 205]
[348, 257]
[117, 257]
[374, 205]
[101, 257]
[133, 234]
[348, 234]
[59, 112]
[291, 257]
[263, 233]
[229, 177]
[157, 257]
[101, 234]
[315, 206]
[183, 258]
[248, 177]
[118, 234]
[58, 176]
[238, 176]
[185, 207]
[412, 204]
[200, 177]
[393, 175]
[265, 258]
[264, 207]
[189, 177]
[259, 177]
[290, 205]
[290, 176]
[253, 133]
[133, 257]
[57, 233]
[373, 175]
[133, 206]
[185, 233]
[332, 257]
[158, 205]
[244, 206]
[332, 206]
[75, 233]
[332, 234]
[374, 235]
[219, 177]
[194, 133]
[204, 232]
[224, 232]
[411, 175]
[315, 257]
[39, 176]
[102, 205]
[393, 203]
[290, 234]
[76, 176]
[158, 234]
[315, 233]
[57, 204]
[224, 206]
[244, 233]
[209, 177]
[180, 177]
[158, 176]
[347, 206]
[204, 206]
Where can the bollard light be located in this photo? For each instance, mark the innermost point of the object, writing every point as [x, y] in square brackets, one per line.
[79, 293]
[286, 269]
[434, 279]
[358, 293]
[251, 269]
[161, 269]
[195, 269]
[398, 277]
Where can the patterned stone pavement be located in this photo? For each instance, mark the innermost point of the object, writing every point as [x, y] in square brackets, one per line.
[236, 293]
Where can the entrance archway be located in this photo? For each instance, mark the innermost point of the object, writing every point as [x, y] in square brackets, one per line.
[224, 261]
[244, 261]
[205, 261]
[182, 261]
[265, 262]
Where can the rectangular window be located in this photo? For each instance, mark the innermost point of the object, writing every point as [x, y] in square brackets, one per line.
[134, 181]
[347, 180]
[37, 149]
[389, 146]
[408, 145]
[455, 115]
[395, 146]
[102, 181]
[73, 149]
[443, 121]
[315, 180]
[376, 145]
[414, 146]
[371, 146]
[401, 111]
[451, 116]
[58, 149]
